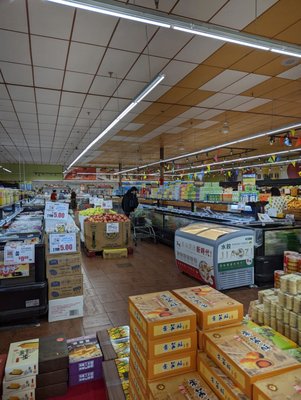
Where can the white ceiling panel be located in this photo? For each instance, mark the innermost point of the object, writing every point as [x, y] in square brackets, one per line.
[25, 117]
[237, 14]
[205, 124]
[176, 129]
[215, 100]
[3, 93]
[234, 102]
[95, 102]
[245, 83]
[47, 127]
[104, 86]
[21, 93]
[251, 104]
[108, 115]
[133, 127]
[118, 62]
[223, 80]
[165, 5]
[198, 49]
[13, 15]
[49, 19]
[177, 70]
[155, 94]
[83, 122]
[146, 68]
[176, 121]
[10, 124]
[25, 107]
[69, 111]
[130, 89]
[14, 131]
[14, 47]
[48, 78]
[84, 58]
[30, 126]
[88, 114]
[69, 121]
[47, 109]
[168, 42]
[209, 114]
[30, 131]
[8, 116]
[192, 112]
[198, 9]
[6, 105]
[117, 104]
[132, 36]
[48, 96]
[47, 119]
[77, 82]
[16, 73]
[293, 73]
[48, 52]
[72, 99]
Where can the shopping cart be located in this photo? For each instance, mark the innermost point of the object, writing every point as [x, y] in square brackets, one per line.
[142, 229]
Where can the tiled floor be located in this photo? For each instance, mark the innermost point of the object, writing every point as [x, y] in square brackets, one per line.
[107, 285]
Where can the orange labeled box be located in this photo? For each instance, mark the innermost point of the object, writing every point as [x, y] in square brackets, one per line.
[161, 314]
[182, 387]
[213, 308]
[136, 384]
[246, 356]
[286, 387]
[162, 347]
[218, 380]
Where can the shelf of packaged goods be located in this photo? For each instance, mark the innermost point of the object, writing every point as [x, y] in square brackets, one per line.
[6, 220]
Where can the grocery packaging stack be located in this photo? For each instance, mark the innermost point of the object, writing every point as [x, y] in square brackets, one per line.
[35, 368]
[163, 341]
[291, 262]
[85, 360]
[114, 342]
[281, 308]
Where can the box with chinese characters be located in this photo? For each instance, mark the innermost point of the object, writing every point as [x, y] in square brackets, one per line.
[246, 356]
[213, 308]
[218, 380]
[201, 337]
[22, 360]
[186, 386]
[135, 383]
[165, 366]
[114, 342]
[162, 347]
[161, 314]
[287, 386]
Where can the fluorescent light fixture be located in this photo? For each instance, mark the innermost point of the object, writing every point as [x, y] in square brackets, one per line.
[286, 52]
[112, 10]
[7, 170]
[151, 86]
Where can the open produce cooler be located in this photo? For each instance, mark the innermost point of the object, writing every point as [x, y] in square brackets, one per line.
[220, 256]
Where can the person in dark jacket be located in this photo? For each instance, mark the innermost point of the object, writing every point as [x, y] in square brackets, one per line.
[130, 201]
[73, 203]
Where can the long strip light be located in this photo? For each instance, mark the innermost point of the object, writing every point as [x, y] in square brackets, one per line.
[151, 86]
[220, 146]
[130, 12]
[7, 170]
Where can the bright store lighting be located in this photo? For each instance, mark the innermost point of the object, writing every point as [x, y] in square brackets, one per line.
[7, 170]
[151, 86]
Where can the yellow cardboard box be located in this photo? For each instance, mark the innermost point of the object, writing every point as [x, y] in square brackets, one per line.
[201, 338]
[54, 235]
[162, 347]
[136, 384]
[115, 253]
[161, 314]
[182, 387]
[65, 286]
[63, 264]
[287, 386]
[223, 387]
[213, 308]
[97, 238]
[246, 356]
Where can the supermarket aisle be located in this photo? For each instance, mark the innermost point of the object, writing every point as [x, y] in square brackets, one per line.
[107, 285]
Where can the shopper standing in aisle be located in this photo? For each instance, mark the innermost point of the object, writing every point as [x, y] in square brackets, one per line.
[73, 203]
[130, 201]
[53, 196]
[276, 202]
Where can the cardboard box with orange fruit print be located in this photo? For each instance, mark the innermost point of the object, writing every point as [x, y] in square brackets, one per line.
[246, 356]
[161, 314]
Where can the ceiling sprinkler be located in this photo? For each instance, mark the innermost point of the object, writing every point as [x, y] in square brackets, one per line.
[225, 129]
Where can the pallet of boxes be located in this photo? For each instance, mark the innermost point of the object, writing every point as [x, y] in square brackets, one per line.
[109, 233]
[63, 269]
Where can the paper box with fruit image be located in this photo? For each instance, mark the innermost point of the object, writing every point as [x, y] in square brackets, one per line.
[135, 382]
[13, 388]
[22, 359]
[280, 341]
[246, 356]
[161, 314]
[181, 387]
[287, 386]
[22, 395]
[213, 308]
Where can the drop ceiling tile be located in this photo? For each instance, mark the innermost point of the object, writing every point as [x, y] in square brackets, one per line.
[108, 115]
[72, 99]
[48, 52]
[47, 109]
[21, 93]
[198, 9]
[104, 86]
[69, 121]
[6, 105]
[16, 73]
[117, 104]
[245, 83]
[84, 58]
[47, 119]
[30, 125]
[47, 127]
[168, 42]
[14, 47]
[234, 102]
[25, 107]
[13, 131]
[177, 70]
[293, 73]
[77, 82]
[50, 19]
[13, 15]
[198, 49]
[26, 117]
[146, 68]
[209, 114]
[69, 111]
[223, 80]
[205, 124]
[48, 96]
[10, 124]
[215, 100]
[95, 102]
[192, 112]
[48, 77]
[132, 36]
[176, 129]
[157, 93]
[4, 93]
[118, 62]
[130, 89]
[30, 131]
[176, 121]
[90, 115]
[133, 127]
[251, 104]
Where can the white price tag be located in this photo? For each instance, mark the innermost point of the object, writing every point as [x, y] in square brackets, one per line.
[107, 204]
[56, 210]
[20, 254]
[113, 227]
[62, 242]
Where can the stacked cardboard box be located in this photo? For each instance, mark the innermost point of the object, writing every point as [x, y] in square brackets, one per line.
[116, 375]
[163, 340]
[65, 283]
[35, 368]
[85, 360]
[114, 342]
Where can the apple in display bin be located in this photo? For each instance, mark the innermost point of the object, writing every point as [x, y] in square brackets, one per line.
[108, 218]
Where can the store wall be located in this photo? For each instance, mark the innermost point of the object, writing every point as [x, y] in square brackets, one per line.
[31, 172]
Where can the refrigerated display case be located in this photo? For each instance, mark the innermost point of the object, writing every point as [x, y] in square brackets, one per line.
[220, 256]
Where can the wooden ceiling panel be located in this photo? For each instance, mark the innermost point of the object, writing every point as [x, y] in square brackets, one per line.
[227, 55]
[253, 61]
[273, 68]
[156, 109]
[263, 88]
[174, 95]
[284, 90]
[199, 76]
[196, 97]
[174, 111]
[292, 34]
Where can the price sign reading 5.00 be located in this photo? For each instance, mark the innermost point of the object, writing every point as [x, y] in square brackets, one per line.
[62, 243]
[56, 210]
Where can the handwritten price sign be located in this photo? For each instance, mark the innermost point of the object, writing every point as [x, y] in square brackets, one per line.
[56, 210]
[62, 243]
